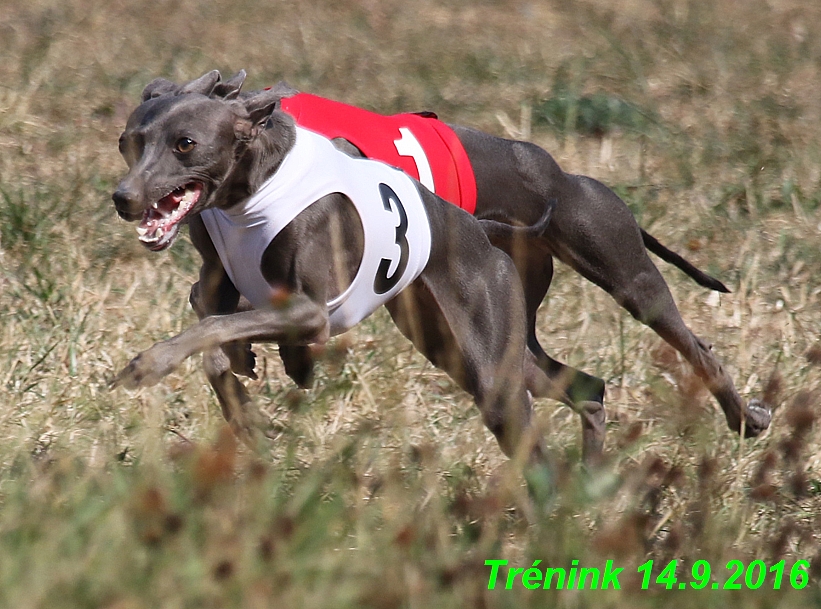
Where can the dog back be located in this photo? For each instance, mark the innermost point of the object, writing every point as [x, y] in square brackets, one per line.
[419, 144]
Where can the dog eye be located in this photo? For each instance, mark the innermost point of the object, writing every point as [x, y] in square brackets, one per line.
[185, 145]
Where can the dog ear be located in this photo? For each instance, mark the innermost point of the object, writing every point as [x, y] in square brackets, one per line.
[231, 87]
[261, 104]
[157, 87]
[284, 89]
[202, 85]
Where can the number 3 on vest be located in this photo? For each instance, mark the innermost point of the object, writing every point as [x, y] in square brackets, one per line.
[382, 283]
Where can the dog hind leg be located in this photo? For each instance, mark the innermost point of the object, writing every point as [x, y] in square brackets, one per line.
[578, 390]
[669, 325]
[594, 232]
[478, 340]
[639, 287]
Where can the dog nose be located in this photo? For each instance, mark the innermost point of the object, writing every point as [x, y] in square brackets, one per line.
[127, 203]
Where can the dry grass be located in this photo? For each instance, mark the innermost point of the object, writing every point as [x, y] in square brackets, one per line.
[384, 489]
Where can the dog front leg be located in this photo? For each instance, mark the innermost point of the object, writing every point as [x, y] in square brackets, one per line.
[215, 294]
[301, 320]
[238, 408]
[241, 358]
[297, 359]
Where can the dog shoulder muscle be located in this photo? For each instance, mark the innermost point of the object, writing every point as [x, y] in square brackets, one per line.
[319, 252]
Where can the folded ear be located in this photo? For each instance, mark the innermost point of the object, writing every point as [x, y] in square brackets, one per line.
[231, 87]
[261, 104]
[284, 89]
[157, 87]
[202, 85]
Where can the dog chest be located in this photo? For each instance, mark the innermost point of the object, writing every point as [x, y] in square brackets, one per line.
[395, 224]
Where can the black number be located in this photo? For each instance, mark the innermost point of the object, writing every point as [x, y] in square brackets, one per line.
[382, 283]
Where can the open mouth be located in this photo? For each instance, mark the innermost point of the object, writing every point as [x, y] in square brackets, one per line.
[161, 222]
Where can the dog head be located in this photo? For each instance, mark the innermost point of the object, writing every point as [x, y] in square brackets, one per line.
[193, 146]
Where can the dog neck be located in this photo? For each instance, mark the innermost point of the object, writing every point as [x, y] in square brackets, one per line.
[255, 160]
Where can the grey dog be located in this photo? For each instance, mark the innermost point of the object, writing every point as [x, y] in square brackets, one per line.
[189, 151]
[594, 233]
[591, 230]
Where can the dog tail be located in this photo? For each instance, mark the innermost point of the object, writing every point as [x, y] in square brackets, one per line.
[499, 230]
[700, 277]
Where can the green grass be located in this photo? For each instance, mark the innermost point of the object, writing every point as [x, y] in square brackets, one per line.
[383, 489]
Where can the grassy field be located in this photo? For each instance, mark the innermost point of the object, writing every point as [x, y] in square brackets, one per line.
[383, 488]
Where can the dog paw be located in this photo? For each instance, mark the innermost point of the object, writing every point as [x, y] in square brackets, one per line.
[758, 418]
[147, 369]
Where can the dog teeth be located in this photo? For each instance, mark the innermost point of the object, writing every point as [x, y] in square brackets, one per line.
[160, 214]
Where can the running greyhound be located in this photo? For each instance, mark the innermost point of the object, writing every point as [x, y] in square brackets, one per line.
[592, 231]
[316, 240]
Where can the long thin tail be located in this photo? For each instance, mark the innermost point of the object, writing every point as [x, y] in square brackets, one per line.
[504, 230]
[700, 277]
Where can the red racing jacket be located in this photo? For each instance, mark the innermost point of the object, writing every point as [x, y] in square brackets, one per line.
[419, 144]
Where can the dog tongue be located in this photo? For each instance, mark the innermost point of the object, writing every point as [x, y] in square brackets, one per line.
[170, 202]
[165, 207]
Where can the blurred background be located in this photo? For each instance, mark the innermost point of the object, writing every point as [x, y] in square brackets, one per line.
[383, 488]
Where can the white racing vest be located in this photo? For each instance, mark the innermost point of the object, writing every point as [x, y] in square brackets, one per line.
[395, 224]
